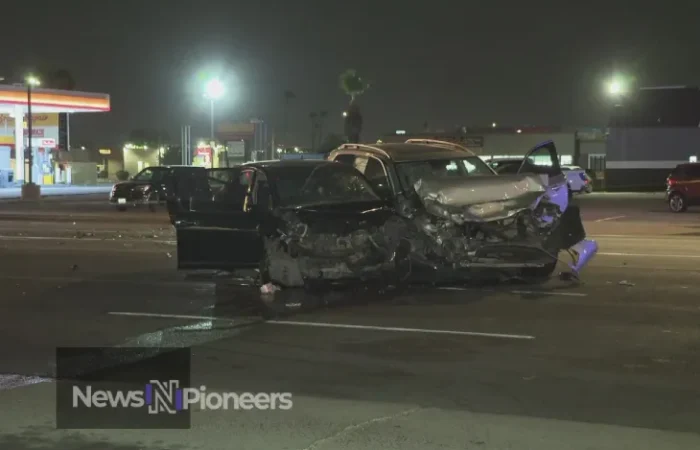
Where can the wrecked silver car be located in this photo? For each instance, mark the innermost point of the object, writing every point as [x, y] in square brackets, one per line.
[462, 218]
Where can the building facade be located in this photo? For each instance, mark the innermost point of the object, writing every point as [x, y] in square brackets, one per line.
[651, 132]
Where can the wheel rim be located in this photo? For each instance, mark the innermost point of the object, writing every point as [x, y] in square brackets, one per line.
[676, 203]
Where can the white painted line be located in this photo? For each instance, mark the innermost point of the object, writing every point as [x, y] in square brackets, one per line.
[566, 294]
[13, 381]
[73, 238]
[398, 329]
[569, 294]
[610, 218]
[163, 283]
[650, 255]
[168, 316]
[330, 325]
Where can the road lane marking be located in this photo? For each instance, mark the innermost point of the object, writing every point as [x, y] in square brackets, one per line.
[169, 316]
[519, 292]
[398, 329]
[74, 238]
[161, 283]
[649, 255]
[13, 381]
[566, 294]
[331, 325]
[610, 218]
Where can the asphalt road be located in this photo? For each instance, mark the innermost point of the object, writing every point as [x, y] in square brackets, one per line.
[607, 363]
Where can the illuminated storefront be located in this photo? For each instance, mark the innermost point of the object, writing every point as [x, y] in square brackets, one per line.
[47, 104]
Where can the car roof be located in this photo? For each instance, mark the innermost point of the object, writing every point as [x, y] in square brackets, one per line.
[277, 164]
[405, 152]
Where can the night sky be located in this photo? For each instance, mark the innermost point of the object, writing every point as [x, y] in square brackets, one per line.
[447, 63]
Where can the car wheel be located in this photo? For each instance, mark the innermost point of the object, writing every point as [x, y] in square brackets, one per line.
[676, 203]
[152, 201]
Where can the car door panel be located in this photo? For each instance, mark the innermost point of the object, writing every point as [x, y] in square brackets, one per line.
[215, 232]
[543, 160]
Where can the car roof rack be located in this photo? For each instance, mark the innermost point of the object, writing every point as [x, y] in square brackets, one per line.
[365, 147]
[441, 144]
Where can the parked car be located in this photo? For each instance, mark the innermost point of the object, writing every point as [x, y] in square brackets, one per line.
[683, 187]
[148, 187]
[578, 180]
[466, 215]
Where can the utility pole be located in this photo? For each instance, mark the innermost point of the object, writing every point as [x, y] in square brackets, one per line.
[30, 157]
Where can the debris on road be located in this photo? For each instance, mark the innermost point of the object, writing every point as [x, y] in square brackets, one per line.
[168, 255]
[74, 267]
[626, 283]
[269, 288]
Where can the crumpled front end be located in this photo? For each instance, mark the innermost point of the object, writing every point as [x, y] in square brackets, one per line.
[326, 249]
[510, 223]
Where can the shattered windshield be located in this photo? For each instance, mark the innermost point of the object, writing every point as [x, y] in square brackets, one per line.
[410, 172]
[332, 183]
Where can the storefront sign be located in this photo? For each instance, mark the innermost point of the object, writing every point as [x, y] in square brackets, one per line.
[48, 143]
[36, 132]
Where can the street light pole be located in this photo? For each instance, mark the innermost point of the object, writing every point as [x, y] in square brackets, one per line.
[29, 157]
[212, 119]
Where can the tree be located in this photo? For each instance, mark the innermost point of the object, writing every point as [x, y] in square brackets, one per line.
[330, 143]
[353, 85]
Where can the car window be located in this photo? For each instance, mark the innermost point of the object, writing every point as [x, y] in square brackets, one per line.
[693, 171]
[345, 159]
[232, 190]
[262, 195]
[331, 183]
[144, 175]
[373, 170]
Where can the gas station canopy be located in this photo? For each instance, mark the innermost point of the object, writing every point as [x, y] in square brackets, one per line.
[51, 100]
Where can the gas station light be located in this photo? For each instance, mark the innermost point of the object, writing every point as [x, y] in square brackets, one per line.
[32, 80]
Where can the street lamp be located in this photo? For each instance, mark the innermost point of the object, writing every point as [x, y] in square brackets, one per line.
[213, 90]
[30, 81]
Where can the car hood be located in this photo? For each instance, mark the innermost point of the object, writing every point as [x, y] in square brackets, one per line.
[481, 198]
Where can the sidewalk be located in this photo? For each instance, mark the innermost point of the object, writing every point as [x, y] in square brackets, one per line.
[55, 190]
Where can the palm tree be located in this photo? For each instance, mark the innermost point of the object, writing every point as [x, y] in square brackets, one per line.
[353, 85]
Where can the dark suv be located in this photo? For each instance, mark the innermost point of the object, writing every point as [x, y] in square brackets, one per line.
[683, 187]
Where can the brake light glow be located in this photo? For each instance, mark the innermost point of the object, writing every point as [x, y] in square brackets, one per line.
[670, 181]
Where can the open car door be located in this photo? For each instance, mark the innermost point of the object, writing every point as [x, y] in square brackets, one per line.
[543, 160]
[215, 229]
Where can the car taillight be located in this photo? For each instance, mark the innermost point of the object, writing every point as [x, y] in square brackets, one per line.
[670, 181]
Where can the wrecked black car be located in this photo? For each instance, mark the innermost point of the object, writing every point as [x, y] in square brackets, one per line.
[294, 222]
[462, 217]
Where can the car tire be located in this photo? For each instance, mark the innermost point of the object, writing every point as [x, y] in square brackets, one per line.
[152, 201]
[676, 203]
